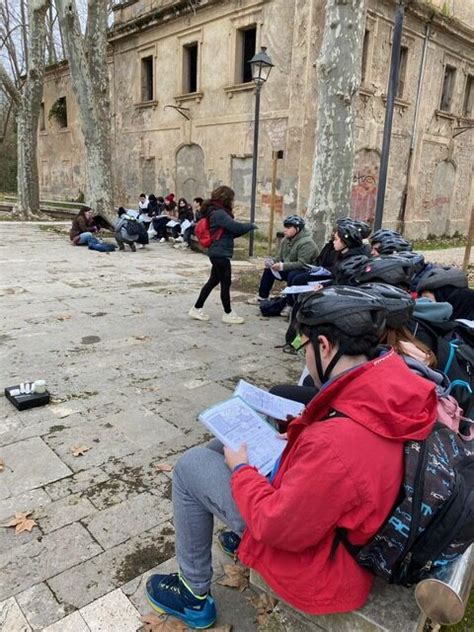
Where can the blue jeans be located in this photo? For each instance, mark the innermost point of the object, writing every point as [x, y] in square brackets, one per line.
[201, 490]
[268, 278]
[84, 239]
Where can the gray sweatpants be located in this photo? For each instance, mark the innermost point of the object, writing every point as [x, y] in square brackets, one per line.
[201, 490]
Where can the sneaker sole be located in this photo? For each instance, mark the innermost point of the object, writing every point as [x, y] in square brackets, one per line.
[192, 624]
[203, 320]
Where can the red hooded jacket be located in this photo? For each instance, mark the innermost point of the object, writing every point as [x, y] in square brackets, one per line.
[335, 472]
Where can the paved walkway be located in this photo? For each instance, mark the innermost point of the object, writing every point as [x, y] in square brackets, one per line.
[128, 373]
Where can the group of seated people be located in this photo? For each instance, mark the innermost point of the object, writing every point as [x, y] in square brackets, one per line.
[380, 345]
[157, 218]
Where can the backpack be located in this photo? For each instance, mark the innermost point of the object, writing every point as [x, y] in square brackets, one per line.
[202, 231]
[132, 227]
[432, 522]
[273, 306]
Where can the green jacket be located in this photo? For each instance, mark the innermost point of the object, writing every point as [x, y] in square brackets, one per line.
[296, 252]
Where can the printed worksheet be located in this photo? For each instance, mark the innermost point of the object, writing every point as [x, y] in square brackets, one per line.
[266, 403]
[234, 422]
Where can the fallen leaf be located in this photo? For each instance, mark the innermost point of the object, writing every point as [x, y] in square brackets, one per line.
[21, 522]
[235, 576]
[2, 465]
[142, 337]
[162, 623]
[79, 450]
[164, 467]
[264, 604]
[65, 317]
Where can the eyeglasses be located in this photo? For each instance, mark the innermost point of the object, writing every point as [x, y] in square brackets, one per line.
[299, 344]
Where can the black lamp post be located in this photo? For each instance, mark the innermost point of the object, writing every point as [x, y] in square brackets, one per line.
[261, 65]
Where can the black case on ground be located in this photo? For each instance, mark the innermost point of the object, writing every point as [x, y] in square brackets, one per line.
[23, 401]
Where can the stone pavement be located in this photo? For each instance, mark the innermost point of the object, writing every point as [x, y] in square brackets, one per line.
[128, 372]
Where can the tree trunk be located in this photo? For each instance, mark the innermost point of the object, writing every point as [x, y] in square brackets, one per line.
[28, 103]
[87, 57]
[339, 71]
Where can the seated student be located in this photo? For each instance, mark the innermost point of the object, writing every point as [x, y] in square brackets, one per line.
[185, 212]
[297, 249]
[122, 236]
[339, 470]
[450, 285]
[189, 232]
[386, 242]
[83, 227]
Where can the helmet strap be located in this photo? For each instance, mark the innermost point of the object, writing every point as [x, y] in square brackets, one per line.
[324, 375]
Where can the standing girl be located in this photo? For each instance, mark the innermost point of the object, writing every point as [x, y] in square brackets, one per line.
[223, 229]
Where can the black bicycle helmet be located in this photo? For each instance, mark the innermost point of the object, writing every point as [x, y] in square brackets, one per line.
[295, 221]
[399, 305]
[389, 241]
[352, 310]
[416, 259]
[347, 270]
[440, 276]
[363, 227]
[349, 233]
[392, 269]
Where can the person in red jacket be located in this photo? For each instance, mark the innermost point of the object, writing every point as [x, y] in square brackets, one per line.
[342, 468]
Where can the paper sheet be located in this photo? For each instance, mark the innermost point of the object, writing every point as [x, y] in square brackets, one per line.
[266, 403]
[233, 422]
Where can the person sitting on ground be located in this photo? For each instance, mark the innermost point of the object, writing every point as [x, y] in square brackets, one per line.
[339, 469]
[122, 236]
[297, 249]
[83, 227]
[387, 242]
[185, 213]
[448, 284]
[189, 232]
[223, 229]
[153, 206]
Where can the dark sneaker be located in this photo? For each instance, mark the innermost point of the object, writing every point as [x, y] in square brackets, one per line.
[229, 542]
[133, 248]
[170, 594]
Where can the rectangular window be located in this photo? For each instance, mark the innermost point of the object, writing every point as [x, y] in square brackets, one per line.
[42, 122]
[402, 72]
[365, 54]
[246, 47]
[468, 103]
[448, 88]
[61, 115]
[190, 68]
[147, 78]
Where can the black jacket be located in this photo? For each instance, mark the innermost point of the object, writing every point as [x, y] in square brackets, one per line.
[224, 247]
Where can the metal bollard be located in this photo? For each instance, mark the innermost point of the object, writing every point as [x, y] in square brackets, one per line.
[443, 596]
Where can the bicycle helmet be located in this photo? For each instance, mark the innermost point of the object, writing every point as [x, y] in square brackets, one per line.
[440, 276]
[387, 242]
[347, 270]
[363, 227]
[349, 233]
[295, 221]
[351, 310]
[399, 305]
[391, 269]
[416, 259]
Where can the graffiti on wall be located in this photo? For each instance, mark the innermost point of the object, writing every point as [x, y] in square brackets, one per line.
[364, 184]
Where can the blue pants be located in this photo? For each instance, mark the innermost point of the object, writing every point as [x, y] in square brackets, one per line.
[85, 238]
[201, 490]
[268, 278]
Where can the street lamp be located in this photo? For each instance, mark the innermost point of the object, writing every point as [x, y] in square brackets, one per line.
[261, 65]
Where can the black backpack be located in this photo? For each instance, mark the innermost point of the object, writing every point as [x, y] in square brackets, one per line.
[273, 306]
[432, 522]
[132, 227]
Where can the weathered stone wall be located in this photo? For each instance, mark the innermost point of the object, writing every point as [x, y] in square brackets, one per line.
[157, 149]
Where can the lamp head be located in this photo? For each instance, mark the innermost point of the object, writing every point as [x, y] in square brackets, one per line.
[261, 65]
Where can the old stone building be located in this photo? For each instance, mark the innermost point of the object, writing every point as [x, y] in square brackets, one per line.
[183, 107]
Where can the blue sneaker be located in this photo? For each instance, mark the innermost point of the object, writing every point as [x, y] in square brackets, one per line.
[170, 594]
[229, 542]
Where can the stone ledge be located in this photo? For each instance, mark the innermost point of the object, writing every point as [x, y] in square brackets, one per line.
[388, 609]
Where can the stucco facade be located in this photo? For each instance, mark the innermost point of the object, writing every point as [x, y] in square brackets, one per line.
[189, 55]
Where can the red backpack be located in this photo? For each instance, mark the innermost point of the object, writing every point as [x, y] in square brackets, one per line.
[203, 232]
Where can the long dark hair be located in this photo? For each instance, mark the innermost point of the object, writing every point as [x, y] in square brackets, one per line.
[83, 211]
[222, 196]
